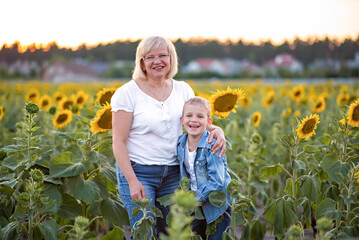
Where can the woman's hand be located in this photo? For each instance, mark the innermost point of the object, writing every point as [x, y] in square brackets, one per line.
[220, 143]
[137, 191]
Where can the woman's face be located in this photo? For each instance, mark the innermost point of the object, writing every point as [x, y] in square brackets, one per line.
[156, 64]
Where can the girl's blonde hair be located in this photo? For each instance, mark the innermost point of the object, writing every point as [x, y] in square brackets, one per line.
[153, 44]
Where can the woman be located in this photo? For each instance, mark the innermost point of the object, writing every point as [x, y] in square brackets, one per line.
[146, 115]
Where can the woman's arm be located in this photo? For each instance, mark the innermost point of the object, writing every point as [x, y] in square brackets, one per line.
[121, 125]
[220, 144]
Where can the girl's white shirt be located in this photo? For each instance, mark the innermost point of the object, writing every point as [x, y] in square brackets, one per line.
[156, 125]
[189, 158]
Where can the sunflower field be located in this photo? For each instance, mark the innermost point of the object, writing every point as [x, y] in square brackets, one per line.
[292, 152]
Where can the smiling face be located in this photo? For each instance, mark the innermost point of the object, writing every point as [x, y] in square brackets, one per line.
[195, 119]
[156, 64]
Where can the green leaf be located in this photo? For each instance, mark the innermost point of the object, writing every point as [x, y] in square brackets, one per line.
[271, 171]
[9, 231]
[237, 218]
[70, 208]
[12, 162]
[297, 164]
[166, 200]
[245, 231]
[143, 203]
[233, 188]
[217, 198]
[135, 211]
[156, 212]
[20, 212]
[114, 211]
[310, 188]
[333, 166]
[310, 149]
[13, 148]
[325, 140]
[269, 211]
[198, 213]
[288, 186]
[63, 166]
[49, 229]
[84, 190]
[326, 208]
[258, 230]
[53, 192]
[116, 233]
[226, 236]
[284, 217]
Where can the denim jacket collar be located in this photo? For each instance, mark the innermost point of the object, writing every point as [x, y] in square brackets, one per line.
[202, 141]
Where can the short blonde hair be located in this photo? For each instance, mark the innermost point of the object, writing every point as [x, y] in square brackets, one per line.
[153, 44]
[198, 100]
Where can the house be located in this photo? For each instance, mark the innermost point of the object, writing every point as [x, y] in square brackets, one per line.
[69, 72]
[286, 61]
[225, 67]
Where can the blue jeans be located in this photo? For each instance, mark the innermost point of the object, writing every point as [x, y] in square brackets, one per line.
[158, 181]
[199, 226]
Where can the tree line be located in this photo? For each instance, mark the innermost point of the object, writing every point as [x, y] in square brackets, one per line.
[305, 51]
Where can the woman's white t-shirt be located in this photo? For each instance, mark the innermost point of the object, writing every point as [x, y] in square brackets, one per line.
[156, 125]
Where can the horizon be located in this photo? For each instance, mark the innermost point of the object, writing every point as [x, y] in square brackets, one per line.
[73, 23]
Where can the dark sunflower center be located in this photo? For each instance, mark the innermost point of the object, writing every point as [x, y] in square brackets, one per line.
[58, 98]
[106, 97]
[309, 126]
[80, 100]
[32, 96]
[45, 103]
[105, 121]
[319, 105]
[270, 100]
[62, 118]
[297, 93]
[255, 119]
[225, 103]
[67, 104]
[356, 113]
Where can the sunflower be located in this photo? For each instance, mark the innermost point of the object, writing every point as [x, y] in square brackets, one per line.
[223, 102]
[353, 114]
[32, 96]
[104, 96]
[357, 176]
[288, 112]
[103, 120]
[269, 99]
[62, 118]
[342, 99]
[245, 101]
[1, 112]
[345, 123]
[296, 113]
[306, 128]
[65, 103]
[319, 105]
[297, 93]
[45, 102]
[256, 119]
[80, 98]
[352, 98]
[58, 96]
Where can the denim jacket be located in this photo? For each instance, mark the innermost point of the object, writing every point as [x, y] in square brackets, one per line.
[210, 171]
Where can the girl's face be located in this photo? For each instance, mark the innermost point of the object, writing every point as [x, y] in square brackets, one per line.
[156, 64]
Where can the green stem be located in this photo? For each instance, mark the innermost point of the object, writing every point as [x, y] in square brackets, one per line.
[249, 180]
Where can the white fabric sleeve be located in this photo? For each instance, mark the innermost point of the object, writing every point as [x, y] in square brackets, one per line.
[123, 99]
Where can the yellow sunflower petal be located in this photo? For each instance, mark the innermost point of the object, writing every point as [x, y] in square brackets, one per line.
[307, 126]
[353, 114]
[103, 120]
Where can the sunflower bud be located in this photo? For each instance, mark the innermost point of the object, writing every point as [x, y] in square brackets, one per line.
[82, 222]
[52, 110]
[187, 200]
[3, 155]
[324, 224]
[294, 231]
[256, 138]
[37, 175]
[32, 108]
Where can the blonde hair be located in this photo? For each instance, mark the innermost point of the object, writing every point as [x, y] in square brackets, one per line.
[198, 100]
[153, 44]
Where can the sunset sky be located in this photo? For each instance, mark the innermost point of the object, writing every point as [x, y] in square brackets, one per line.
[73, 22]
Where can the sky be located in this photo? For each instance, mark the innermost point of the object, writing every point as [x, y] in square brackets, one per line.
[73, 22]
